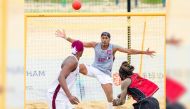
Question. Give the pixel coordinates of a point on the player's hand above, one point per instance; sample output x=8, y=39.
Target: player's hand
x=117, y=102
x=73, y=100
x=174, y=41
x=60, y=33
x=150, y=53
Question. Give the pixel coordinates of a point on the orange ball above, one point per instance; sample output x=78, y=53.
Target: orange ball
x=76, y=4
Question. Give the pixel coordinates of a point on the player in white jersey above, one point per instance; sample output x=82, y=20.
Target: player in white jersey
x=59, y=93
x=104, y=58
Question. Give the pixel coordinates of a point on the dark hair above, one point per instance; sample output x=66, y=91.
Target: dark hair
x=125, y=70
x=105, y=34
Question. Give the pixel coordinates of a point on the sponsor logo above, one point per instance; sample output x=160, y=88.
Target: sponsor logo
x=36, y=73
x=109, y=52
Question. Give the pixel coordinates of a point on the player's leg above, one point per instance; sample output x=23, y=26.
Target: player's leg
x=87, y=70
x=82, y=69
x=104, y=79
x=109, y=93
x=147, y=103
x=106, y=83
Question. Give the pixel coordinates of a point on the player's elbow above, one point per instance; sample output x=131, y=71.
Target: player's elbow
x=61, y=77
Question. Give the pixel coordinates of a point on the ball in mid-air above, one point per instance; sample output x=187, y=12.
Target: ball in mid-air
x=76, y=4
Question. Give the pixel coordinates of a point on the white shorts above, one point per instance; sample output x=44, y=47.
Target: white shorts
x=62, y=102
x=99, y=75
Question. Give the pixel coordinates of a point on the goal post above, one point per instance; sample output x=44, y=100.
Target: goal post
x=44, y=52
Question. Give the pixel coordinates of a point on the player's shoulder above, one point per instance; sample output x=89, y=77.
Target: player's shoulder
x=115, y=47
x=71, y=59
x=95, y=43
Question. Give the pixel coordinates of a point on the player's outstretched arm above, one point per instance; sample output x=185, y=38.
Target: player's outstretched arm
x=62, y=34
x=122, y=96
x=133, y=51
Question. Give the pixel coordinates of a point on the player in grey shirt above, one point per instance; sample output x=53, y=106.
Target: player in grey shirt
x=104, y=57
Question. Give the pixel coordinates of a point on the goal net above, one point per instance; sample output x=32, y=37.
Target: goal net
x=44, y=53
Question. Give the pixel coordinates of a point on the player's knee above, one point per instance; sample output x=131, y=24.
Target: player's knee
x=83, y=69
